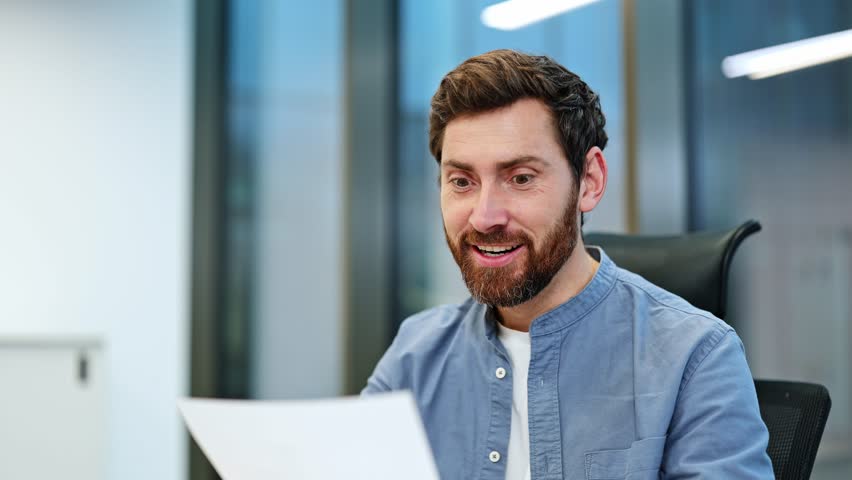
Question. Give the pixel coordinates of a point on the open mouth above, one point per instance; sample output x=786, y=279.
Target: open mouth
x=496, y=251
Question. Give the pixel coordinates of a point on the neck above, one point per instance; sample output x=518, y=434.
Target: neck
x=570, y=280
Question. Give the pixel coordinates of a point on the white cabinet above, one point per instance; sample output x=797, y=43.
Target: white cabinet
x=52, y=409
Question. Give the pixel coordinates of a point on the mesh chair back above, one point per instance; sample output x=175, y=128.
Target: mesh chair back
x=795, y=414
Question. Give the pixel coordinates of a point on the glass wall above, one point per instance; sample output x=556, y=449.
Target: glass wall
x=778, y=150
x=435, y=37
x=283, y=195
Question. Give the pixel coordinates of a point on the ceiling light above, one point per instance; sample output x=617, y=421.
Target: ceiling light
x=514, y=14
x=788, y=57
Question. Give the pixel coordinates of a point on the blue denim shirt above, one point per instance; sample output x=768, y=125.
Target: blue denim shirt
x=625, y=381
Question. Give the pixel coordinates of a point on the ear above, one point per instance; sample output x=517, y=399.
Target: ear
x=593, y=183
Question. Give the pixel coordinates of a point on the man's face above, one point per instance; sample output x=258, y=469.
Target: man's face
x=508, y=200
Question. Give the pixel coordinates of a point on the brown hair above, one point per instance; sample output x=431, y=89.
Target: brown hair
x=501, y=77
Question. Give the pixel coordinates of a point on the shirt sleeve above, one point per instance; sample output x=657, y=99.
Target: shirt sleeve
x=379, y=380
x=716, y=429
x=385, y=377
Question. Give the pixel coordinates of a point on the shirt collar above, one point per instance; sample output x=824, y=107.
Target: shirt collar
x=575, y=308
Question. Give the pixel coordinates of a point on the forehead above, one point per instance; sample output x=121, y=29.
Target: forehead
x=524, y=128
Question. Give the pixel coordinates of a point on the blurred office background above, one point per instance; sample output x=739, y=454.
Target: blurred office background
x=236, y=199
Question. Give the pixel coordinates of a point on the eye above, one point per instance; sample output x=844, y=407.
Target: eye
x=460, y=182
x=522, y=179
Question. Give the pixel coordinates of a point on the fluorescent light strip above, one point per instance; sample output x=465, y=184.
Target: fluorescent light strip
x=514, y=14
x=788, y=57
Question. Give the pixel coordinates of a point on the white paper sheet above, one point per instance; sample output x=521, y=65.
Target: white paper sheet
x=377, y=437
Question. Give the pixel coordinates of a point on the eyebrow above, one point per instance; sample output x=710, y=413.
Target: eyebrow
x=505, y=165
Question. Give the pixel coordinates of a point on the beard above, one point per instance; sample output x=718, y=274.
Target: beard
x=528, y=274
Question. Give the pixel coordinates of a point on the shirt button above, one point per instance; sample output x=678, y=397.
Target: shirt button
x=501, y=373
x=494, y=456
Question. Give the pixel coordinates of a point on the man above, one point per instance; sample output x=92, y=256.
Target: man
x=561, y=365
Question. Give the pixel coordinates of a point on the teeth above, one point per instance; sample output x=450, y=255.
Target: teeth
x=494, y=249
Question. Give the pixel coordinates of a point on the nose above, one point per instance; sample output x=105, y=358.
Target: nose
x=490, y=212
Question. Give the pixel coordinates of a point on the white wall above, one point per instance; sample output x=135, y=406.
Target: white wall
x=94, y=203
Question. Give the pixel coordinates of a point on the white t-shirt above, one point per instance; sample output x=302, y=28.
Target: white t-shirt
x=518, y=346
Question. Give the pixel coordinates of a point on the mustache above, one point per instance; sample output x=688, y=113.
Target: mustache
x=473, y=237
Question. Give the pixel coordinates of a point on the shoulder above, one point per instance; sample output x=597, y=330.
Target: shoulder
x=662, y=308
x=422, y=342
x=667, y=322
x=430, y=328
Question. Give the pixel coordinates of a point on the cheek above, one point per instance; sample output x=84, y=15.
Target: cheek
x=539, y=218
x=454, y=216
x=537, y=213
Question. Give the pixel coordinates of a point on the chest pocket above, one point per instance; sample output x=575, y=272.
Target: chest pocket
x=639, y=462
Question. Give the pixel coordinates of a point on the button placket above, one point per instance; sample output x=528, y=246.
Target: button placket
x=501, y=405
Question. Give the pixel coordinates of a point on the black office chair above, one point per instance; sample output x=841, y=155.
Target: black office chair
x=795, y=413
x=695, y=266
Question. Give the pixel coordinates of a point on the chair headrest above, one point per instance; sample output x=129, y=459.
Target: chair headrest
x=694, y=266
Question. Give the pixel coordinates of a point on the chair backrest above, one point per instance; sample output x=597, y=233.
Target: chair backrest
x=695, y=266
x=795, y=414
